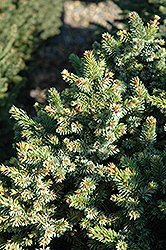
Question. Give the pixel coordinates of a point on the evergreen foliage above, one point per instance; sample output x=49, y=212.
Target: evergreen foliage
x=31, y=22
x=10, y=66
x=90, y=167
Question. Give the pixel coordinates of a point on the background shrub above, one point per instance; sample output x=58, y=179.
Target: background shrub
x=31, y=22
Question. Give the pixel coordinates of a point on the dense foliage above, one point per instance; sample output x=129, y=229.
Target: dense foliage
x=90, y=167
x=24, y=24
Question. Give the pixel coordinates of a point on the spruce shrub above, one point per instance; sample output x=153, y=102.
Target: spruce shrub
x=90, y=167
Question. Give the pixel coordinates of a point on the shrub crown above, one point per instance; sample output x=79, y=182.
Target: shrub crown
x=91, y=166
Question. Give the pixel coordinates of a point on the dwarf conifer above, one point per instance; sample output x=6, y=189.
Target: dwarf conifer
x=90, y=166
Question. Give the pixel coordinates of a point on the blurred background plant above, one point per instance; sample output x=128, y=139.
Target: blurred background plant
x=24, y=26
